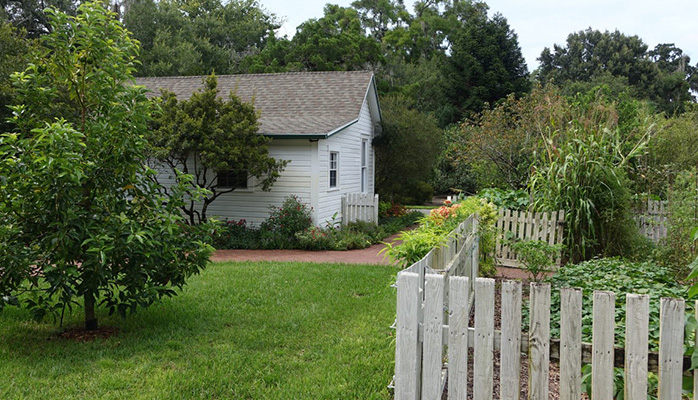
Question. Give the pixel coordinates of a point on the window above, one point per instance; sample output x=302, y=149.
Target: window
x=334, y=168
x=364, y=164
x=233, y=178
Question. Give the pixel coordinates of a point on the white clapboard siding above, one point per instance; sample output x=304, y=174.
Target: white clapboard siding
x=526, y=225
x=359, y=207
x=432, y=345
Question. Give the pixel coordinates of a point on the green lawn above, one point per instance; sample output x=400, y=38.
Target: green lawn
x=238, y=331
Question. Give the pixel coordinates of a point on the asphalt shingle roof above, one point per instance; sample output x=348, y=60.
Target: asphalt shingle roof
x=294, y=103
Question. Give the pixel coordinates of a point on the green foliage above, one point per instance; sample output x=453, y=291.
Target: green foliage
x=80, y=216
x=392, y=209
x=620, y=277
x=183, y=37
x=682, y=217
x=485, y=65
x=583, y=169
x=538, y=257
x=14, y=56
x=406, y=151
x=221, y=135
x=510, y=199
x=591, y=57
x=30, y=15
x=280, y=228
x=434, y=229
x=672, y=149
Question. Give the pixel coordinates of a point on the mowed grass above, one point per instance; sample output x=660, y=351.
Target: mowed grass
x=238, y=331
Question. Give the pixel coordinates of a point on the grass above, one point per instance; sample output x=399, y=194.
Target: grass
x=239, y=330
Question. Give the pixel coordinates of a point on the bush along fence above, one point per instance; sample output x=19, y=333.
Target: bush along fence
x=433, y=336
x=359, y=207
x=651, y=220
x=526, y=225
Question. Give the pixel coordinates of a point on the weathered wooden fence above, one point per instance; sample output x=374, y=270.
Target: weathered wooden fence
x=433, y=335
x=359, y=207
x=526, y=225
x=651, y=219
x=458, y=257
x=421, y=340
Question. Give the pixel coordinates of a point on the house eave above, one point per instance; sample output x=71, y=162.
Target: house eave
x=310, y=136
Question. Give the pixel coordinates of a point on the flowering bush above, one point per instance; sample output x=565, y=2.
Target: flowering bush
x=233, y=234
x=392, y=209
x=435, y=228
x=315, y=238
x=280, y=228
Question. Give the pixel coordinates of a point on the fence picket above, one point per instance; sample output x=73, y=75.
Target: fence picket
x=510, y=352
x=539, y=342
x=636, y=330
x=483, y=369
x=670, y=348
x=359, y=207
x=432, y=344
x=408, y=353
x=570, y=343
x=458, y=338
x=602, y=342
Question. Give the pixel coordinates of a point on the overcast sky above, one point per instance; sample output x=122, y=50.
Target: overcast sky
x=542, y=23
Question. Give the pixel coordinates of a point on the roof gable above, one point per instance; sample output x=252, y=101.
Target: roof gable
x=290, y=104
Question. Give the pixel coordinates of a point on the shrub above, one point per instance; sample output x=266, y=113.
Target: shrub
x=236, y=235
x=510, y=199
x=280, y=228
x=682, y=217
x=537, y=257
x=434, y=229
x=391, y=209
x=315, y=238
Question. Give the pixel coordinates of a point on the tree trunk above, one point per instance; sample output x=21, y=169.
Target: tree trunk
x=90, y=318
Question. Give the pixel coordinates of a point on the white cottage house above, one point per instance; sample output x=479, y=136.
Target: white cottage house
x=322, y=122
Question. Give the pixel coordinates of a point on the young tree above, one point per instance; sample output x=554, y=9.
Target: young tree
x=207, y=136
x=79, y=215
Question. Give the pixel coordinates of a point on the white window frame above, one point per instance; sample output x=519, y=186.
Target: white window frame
x=364, y=165
x=333, y=166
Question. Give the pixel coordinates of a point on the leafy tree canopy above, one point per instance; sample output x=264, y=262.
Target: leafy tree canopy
x=663, y=75
x=30, y=16
x=79, y=215
x=186, y=37
x=206, y=135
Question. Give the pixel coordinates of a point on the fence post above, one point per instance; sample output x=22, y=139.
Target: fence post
x=345, y=214
x=602, y=343
x=670, y=348
x=433, y=336
x=458, y=338
x=510, y=353
x=637, y=317
x=408, y=355
x=483, y=370
x=539, y=342
x=376, y=203
x=570, y=343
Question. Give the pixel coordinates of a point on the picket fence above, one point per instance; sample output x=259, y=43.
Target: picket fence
x=526, y=225
x=433, y=335
x=651, y=220
x=359, y=207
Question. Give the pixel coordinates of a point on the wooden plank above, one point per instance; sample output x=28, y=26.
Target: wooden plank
x=499, y=232
x=529, y=225
x=432, y=346
x=407, y=347
x=636, y=331
x=546, y=227
x=570, y=343
x=602, y=341
x=458, y=338
x=539, y=342
x=670, y=348
x=483, y=368
x=510, y=362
